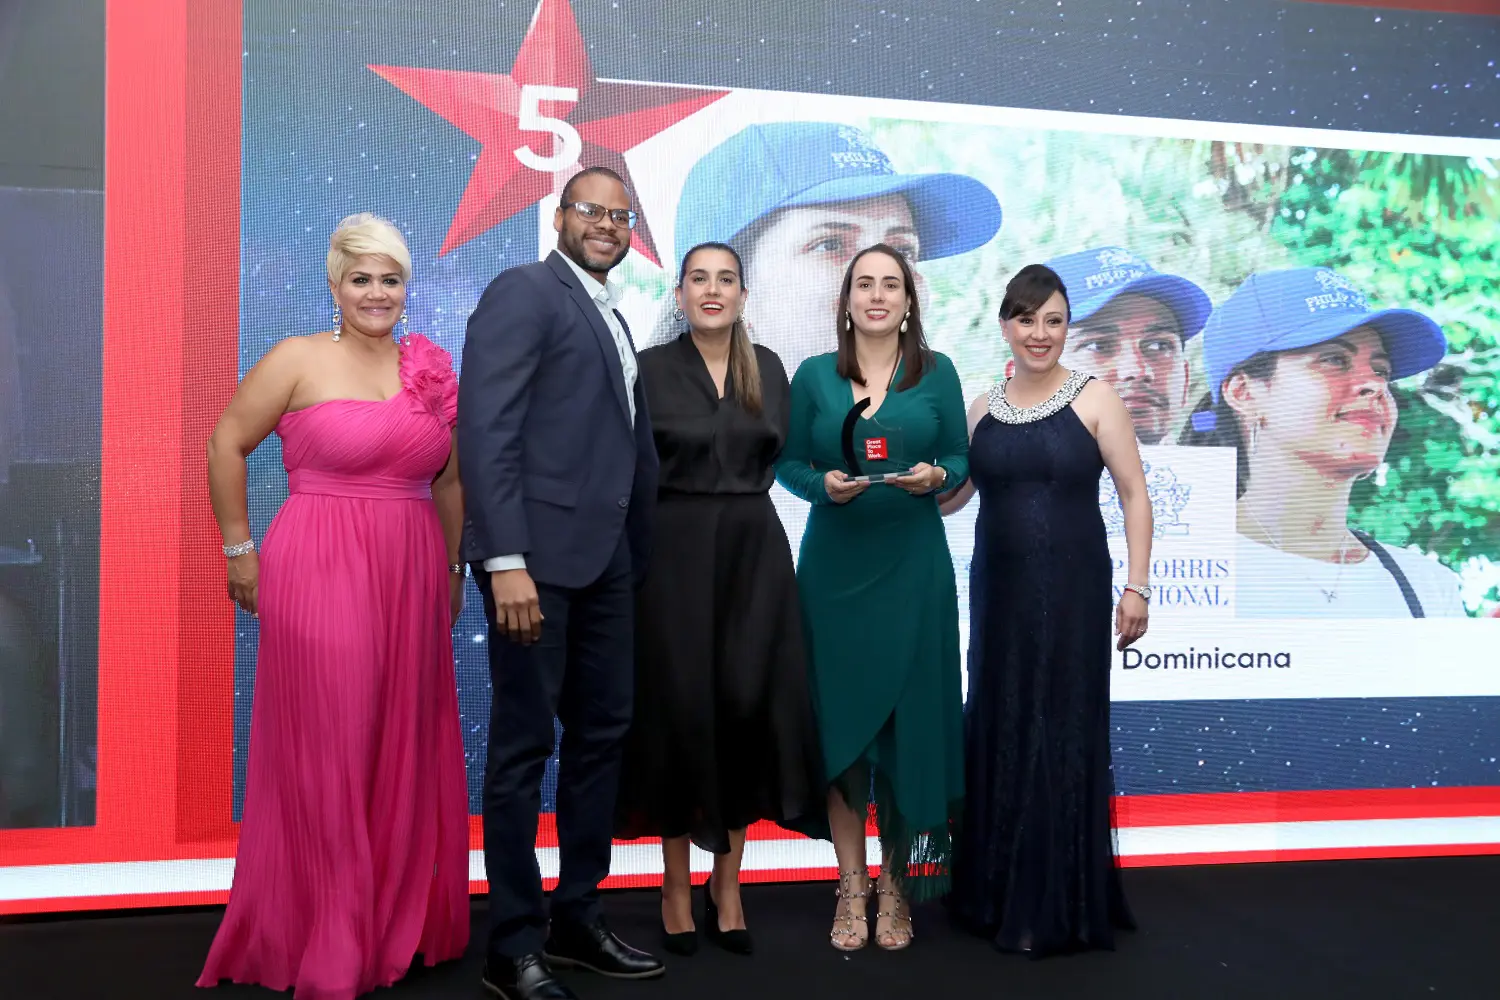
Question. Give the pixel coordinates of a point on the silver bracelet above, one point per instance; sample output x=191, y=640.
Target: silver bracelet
x=242, y=549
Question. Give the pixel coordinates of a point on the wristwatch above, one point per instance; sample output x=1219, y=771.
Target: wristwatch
x=1144, y=589
x=942, y=478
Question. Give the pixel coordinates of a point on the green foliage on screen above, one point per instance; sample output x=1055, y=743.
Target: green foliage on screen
x=1420, y=231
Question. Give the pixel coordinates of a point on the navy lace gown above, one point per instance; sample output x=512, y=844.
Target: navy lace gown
x=1035, y=869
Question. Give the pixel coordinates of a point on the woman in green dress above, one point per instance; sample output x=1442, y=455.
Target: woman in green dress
x=879, y=600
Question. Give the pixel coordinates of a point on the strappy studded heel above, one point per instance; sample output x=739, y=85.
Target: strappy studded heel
x=844, y=936
x=900, y=933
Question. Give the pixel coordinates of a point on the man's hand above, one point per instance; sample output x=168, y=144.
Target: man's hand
x=518, y=614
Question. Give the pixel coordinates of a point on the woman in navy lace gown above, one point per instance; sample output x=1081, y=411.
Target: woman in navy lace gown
x=1035, y=867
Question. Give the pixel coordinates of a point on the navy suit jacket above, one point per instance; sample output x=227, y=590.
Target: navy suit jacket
x=552, y=467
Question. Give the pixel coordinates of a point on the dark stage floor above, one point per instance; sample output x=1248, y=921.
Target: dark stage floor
x=1359, y=929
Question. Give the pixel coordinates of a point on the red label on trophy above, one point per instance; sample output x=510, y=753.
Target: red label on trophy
x=875, y=450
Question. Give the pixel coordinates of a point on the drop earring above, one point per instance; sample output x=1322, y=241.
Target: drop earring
x=903, y=322
x=400, y=335
x=338, y=321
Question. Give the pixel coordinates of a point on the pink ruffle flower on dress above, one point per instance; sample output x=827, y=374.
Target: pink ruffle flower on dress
x=427, y=373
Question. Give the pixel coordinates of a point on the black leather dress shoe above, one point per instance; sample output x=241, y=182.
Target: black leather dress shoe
x=596, y=949
x=524, y=978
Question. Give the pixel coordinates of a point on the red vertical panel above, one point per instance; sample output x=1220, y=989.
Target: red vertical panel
x=210, y=255
x=140, y=519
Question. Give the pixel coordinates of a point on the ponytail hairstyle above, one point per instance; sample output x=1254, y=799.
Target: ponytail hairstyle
x=1215, y=424
x=744, y=368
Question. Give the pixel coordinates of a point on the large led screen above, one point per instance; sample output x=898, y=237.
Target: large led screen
x=1289, y=162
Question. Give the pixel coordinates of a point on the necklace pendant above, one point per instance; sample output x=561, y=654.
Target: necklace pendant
x=1329, y=595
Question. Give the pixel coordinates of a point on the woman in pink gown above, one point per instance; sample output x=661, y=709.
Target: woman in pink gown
x=353, y=853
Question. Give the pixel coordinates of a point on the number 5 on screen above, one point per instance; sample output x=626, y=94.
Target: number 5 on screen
x=568, y=146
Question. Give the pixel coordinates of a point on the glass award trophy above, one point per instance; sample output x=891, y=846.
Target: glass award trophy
x=874, y=449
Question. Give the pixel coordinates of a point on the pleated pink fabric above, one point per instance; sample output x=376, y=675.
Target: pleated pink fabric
x=353, y=853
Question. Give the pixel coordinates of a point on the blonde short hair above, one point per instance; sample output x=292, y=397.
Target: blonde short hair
x=365, y=234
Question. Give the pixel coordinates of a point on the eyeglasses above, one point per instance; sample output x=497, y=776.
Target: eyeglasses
x=619, y=216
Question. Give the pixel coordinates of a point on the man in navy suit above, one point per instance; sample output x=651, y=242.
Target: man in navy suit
x=559, y=473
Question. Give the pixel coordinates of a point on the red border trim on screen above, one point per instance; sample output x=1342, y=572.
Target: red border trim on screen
x=84, y=904
x=1480, y=7
x=1306, y=807
x=211, y=351
x=171, y=358
x=1308, y=854
x=185, y=899
x=172, y=179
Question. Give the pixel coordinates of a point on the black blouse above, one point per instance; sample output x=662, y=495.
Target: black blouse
x=707, y=444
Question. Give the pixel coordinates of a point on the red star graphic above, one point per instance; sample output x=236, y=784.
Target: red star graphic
x=517, y=124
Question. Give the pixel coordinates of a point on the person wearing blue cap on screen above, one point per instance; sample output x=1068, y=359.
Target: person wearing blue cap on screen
x=1299, y=367
x=1130, y=328
x=798, y=200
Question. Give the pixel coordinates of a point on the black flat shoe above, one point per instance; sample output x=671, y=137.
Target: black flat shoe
x=596, y=949
x=524, y=978
x=737, y=942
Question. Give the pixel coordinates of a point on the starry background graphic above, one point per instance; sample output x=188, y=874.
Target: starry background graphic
x=324, y=137
x=1258, y=61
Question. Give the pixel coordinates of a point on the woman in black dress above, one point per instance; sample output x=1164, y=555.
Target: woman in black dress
x=723, y=730
x=1035, y=869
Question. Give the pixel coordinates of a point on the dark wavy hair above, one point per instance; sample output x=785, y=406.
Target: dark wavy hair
x=913, y=342
x=744, y=369
x=1030, y=289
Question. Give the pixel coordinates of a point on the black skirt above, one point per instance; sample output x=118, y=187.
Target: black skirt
x=723, y=733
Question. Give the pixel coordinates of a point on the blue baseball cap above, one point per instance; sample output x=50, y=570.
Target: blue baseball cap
x=1095, y=278
x=1300, y=307
x=763, y=168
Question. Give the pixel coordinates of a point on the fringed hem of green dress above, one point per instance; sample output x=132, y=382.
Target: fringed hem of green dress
x=920, y=860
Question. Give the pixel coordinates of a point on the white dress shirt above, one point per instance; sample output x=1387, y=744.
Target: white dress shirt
x=605, y=297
